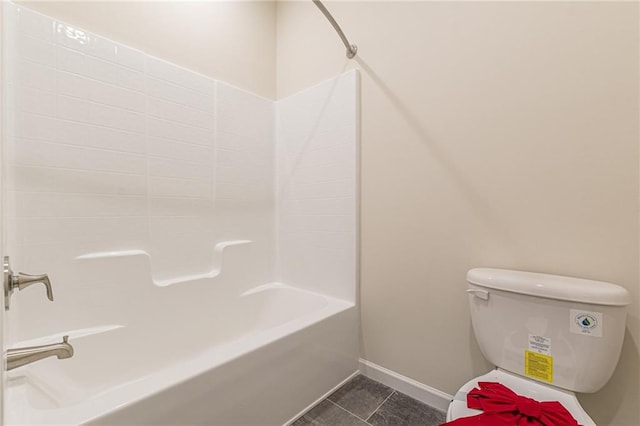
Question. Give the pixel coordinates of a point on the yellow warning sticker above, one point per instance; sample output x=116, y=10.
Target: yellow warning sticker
x=538, y=366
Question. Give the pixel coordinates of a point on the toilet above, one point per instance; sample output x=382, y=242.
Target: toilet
x=548, y=336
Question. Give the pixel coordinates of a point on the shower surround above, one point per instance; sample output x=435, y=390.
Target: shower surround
x=201, y=240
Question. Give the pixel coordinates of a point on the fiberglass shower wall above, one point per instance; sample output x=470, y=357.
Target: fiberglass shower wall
x=125, y=170
x=317, y=184
x=128, y=176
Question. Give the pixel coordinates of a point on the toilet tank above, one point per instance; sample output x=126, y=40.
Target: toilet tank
x=562, y=331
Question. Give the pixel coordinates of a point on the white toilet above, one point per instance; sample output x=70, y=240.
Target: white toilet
x=548, y=336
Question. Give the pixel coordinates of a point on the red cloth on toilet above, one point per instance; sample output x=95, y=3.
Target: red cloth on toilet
x=503, y=407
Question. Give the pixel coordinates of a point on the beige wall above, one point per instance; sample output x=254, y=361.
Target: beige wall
x=493, y=134
x=233, y=41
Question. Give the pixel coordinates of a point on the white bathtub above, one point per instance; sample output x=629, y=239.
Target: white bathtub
x=254, y=359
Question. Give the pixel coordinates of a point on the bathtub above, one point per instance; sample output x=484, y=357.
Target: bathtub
x=259, y=358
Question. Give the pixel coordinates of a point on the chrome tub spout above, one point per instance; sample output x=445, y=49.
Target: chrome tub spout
x=23, y=356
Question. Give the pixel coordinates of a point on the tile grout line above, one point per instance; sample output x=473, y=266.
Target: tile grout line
x=377, y=408
x=344, y=409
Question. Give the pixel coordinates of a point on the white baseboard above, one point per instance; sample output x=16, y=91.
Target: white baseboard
x=319, y=400
x=404, y=384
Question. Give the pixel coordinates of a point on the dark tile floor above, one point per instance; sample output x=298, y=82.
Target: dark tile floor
x=363, y=401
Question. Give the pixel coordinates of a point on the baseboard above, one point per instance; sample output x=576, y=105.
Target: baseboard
x=404, y=384
x=319, y=400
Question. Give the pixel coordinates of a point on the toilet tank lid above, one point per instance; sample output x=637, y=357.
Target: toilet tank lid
x=550, y=286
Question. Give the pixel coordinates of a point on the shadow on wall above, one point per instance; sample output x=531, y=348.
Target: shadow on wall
x=604, y=404
x=475, y=201
x=479, y=363
x=313, y=130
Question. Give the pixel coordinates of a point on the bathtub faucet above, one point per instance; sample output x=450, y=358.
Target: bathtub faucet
x=23, y=356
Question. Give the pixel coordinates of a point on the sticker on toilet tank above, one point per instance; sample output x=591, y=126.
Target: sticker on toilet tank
x=540, y=344
x=585, y=322
x=538, y=366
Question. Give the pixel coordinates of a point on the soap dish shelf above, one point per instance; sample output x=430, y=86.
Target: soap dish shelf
x=215, y=270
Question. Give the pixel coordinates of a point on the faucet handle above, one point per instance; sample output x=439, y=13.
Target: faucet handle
x=22, y=281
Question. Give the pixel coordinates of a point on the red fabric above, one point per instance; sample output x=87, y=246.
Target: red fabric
x=503, y=407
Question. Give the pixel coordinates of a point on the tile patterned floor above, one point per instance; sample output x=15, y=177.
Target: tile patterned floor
x=362, y=402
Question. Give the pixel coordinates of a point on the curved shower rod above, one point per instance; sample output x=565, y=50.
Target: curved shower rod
x=352, y=49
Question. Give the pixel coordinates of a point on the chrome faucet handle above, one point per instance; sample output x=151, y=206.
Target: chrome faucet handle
x=22, y=281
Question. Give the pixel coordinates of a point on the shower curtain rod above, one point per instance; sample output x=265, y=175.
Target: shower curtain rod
x=352, y=49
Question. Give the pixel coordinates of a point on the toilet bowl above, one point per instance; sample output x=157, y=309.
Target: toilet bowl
x=548, y=336
x=522, y=386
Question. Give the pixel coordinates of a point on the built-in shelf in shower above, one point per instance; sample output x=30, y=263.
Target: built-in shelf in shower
x=216, y=268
